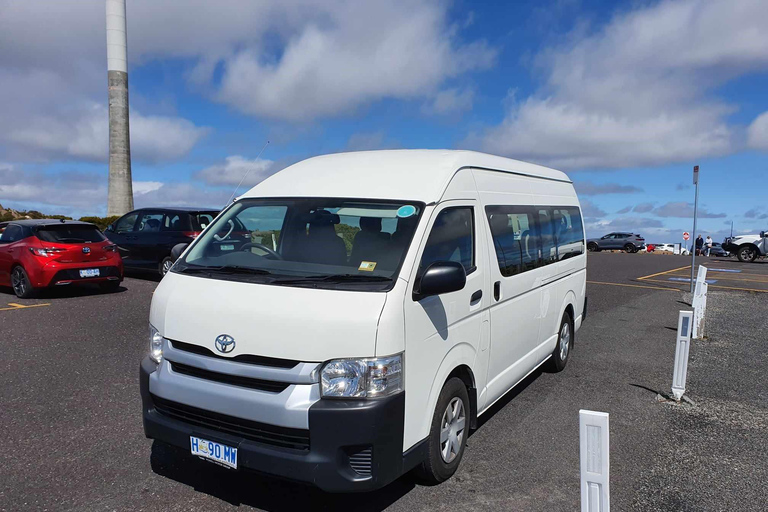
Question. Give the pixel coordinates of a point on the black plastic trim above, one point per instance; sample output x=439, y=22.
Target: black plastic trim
x=234, y=380
x=242, y=358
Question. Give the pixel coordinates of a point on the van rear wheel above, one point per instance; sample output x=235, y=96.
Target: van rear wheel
x=562, y=351
x=447, y=435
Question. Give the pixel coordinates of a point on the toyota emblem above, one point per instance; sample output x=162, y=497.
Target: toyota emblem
x=225, y=343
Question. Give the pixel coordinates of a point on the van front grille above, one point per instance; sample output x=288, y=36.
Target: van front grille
x=284, y=437
x=224, y=378
x=242, y=358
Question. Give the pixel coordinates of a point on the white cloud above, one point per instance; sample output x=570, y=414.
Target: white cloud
x=638, y=91
x=84, y=135
x=183, y=194
x=757, y=133
x=145, y=187
x=352, y=54
x=234, y=168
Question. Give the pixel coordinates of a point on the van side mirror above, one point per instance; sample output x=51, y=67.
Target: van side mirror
x=177, y=250
x=441, y=277
x=762, y=234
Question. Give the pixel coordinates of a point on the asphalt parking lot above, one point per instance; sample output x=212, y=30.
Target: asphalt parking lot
x=74, y=441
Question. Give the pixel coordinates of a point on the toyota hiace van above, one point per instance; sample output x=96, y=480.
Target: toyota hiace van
x=350, y=318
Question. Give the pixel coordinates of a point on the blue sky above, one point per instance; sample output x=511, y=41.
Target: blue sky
x=623, y=96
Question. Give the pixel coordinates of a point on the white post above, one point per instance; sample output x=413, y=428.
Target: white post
x=595, y=477
x=684, y=327
x=699, y=301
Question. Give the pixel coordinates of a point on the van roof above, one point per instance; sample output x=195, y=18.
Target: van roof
x=409, y=174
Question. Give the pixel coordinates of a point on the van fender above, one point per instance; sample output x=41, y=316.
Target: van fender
x=462, y=354
x=569, y=300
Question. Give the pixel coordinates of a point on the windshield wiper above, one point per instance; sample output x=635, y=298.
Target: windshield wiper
x=227, y=269
x=335, y=278
x=73, y=240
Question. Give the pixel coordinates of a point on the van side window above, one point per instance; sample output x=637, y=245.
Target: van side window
x=515, y=238
x=452, y=239
x=548, y=246
x=569, y=232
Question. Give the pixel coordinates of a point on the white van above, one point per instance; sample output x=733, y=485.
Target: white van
x=349, y=318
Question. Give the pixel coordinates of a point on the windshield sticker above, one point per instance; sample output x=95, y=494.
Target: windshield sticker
x=406, y=211
x=367, y=266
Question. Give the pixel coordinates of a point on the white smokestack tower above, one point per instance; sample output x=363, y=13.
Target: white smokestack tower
x=120, y=196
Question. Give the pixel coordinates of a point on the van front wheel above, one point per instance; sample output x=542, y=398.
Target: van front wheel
x=564, y=344
x=447, y=435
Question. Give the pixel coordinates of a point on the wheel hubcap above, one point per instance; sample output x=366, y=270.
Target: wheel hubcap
x=18, y=282
x=565, y=340
x=167, y=267
x=452, y=430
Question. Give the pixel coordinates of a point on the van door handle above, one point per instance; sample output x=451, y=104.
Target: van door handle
x=476, y=296
x=497, y=290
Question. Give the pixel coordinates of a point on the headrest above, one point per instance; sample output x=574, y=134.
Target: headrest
x=499, y=223
x=370, y=224
x=322, y=218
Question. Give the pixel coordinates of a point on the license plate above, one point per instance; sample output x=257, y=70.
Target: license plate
x=227, y=247
x=213, y=451
x=89, y=272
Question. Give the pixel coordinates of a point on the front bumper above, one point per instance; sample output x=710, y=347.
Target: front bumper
x=354, y=445
x=731, y=248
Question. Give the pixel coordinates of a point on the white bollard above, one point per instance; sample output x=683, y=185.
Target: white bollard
x=593, y=448
x=699, y=303
x=684, y=327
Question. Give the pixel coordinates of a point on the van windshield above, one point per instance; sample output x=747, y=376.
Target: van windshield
x=314, y=242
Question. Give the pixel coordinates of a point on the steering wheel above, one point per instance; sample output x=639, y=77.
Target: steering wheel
x=231, y=228
x=263, y=248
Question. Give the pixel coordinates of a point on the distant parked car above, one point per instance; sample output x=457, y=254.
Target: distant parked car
x=617, y=241
x=36, y=254
x=146, y=236
x=717, y=250
x=665, y=247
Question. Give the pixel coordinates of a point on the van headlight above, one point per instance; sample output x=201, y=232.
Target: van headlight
x=155, y=345
x=362, y=378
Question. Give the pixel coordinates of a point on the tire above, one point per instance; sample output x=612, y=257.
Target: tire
x=165, y=266
x=21, y=284
x=746, y=254
x=593, y=247
x=564, y=347
x=630, y=249
x=435, y=468
x=109, y=286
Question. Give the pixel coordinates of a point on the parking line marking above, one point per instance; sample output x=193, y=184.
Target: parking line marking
x=724, y=270
x=688, y=280
x=662, y=273
x=15, y=306
x=720, y=286
x=762, y=280
x=637, y=286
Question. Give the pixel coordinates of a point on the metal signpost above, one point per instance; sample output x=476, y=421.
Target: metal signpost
x=593, y=448
x=695, y=213
x=684, y=328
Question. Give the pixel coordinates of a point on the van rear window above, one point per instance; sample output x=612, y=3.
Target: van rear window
x=75, y=234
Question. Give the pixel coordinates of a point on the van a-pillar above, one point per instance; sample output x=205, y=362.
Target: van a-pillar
x=120, y=194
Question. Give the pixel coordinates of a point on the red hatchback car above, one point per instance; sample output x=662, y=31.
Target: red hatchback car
x=36, y=254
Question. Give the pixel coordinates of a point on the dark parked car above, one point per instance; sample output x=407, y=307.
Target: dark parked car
x=145, y=237
x=717, y=250
x=617, y=241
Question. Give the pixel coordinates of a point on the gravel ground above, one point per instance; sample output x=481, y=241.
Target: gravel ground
x=713, y=455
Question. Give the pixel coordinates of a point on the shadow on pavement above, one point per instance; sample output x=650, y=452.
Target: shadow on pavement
x=265, y=492
x=64, y=292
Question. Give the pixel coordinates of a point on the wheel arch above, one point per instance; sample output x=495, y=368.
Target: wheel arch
x=458, y=362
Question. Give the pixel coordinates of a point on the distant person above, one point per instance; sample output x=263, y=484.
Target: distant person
x=708, y=245
x=699, y=245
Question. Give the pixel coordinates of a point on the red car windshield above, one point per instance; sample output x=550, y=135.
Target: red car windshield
x=70, y=233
